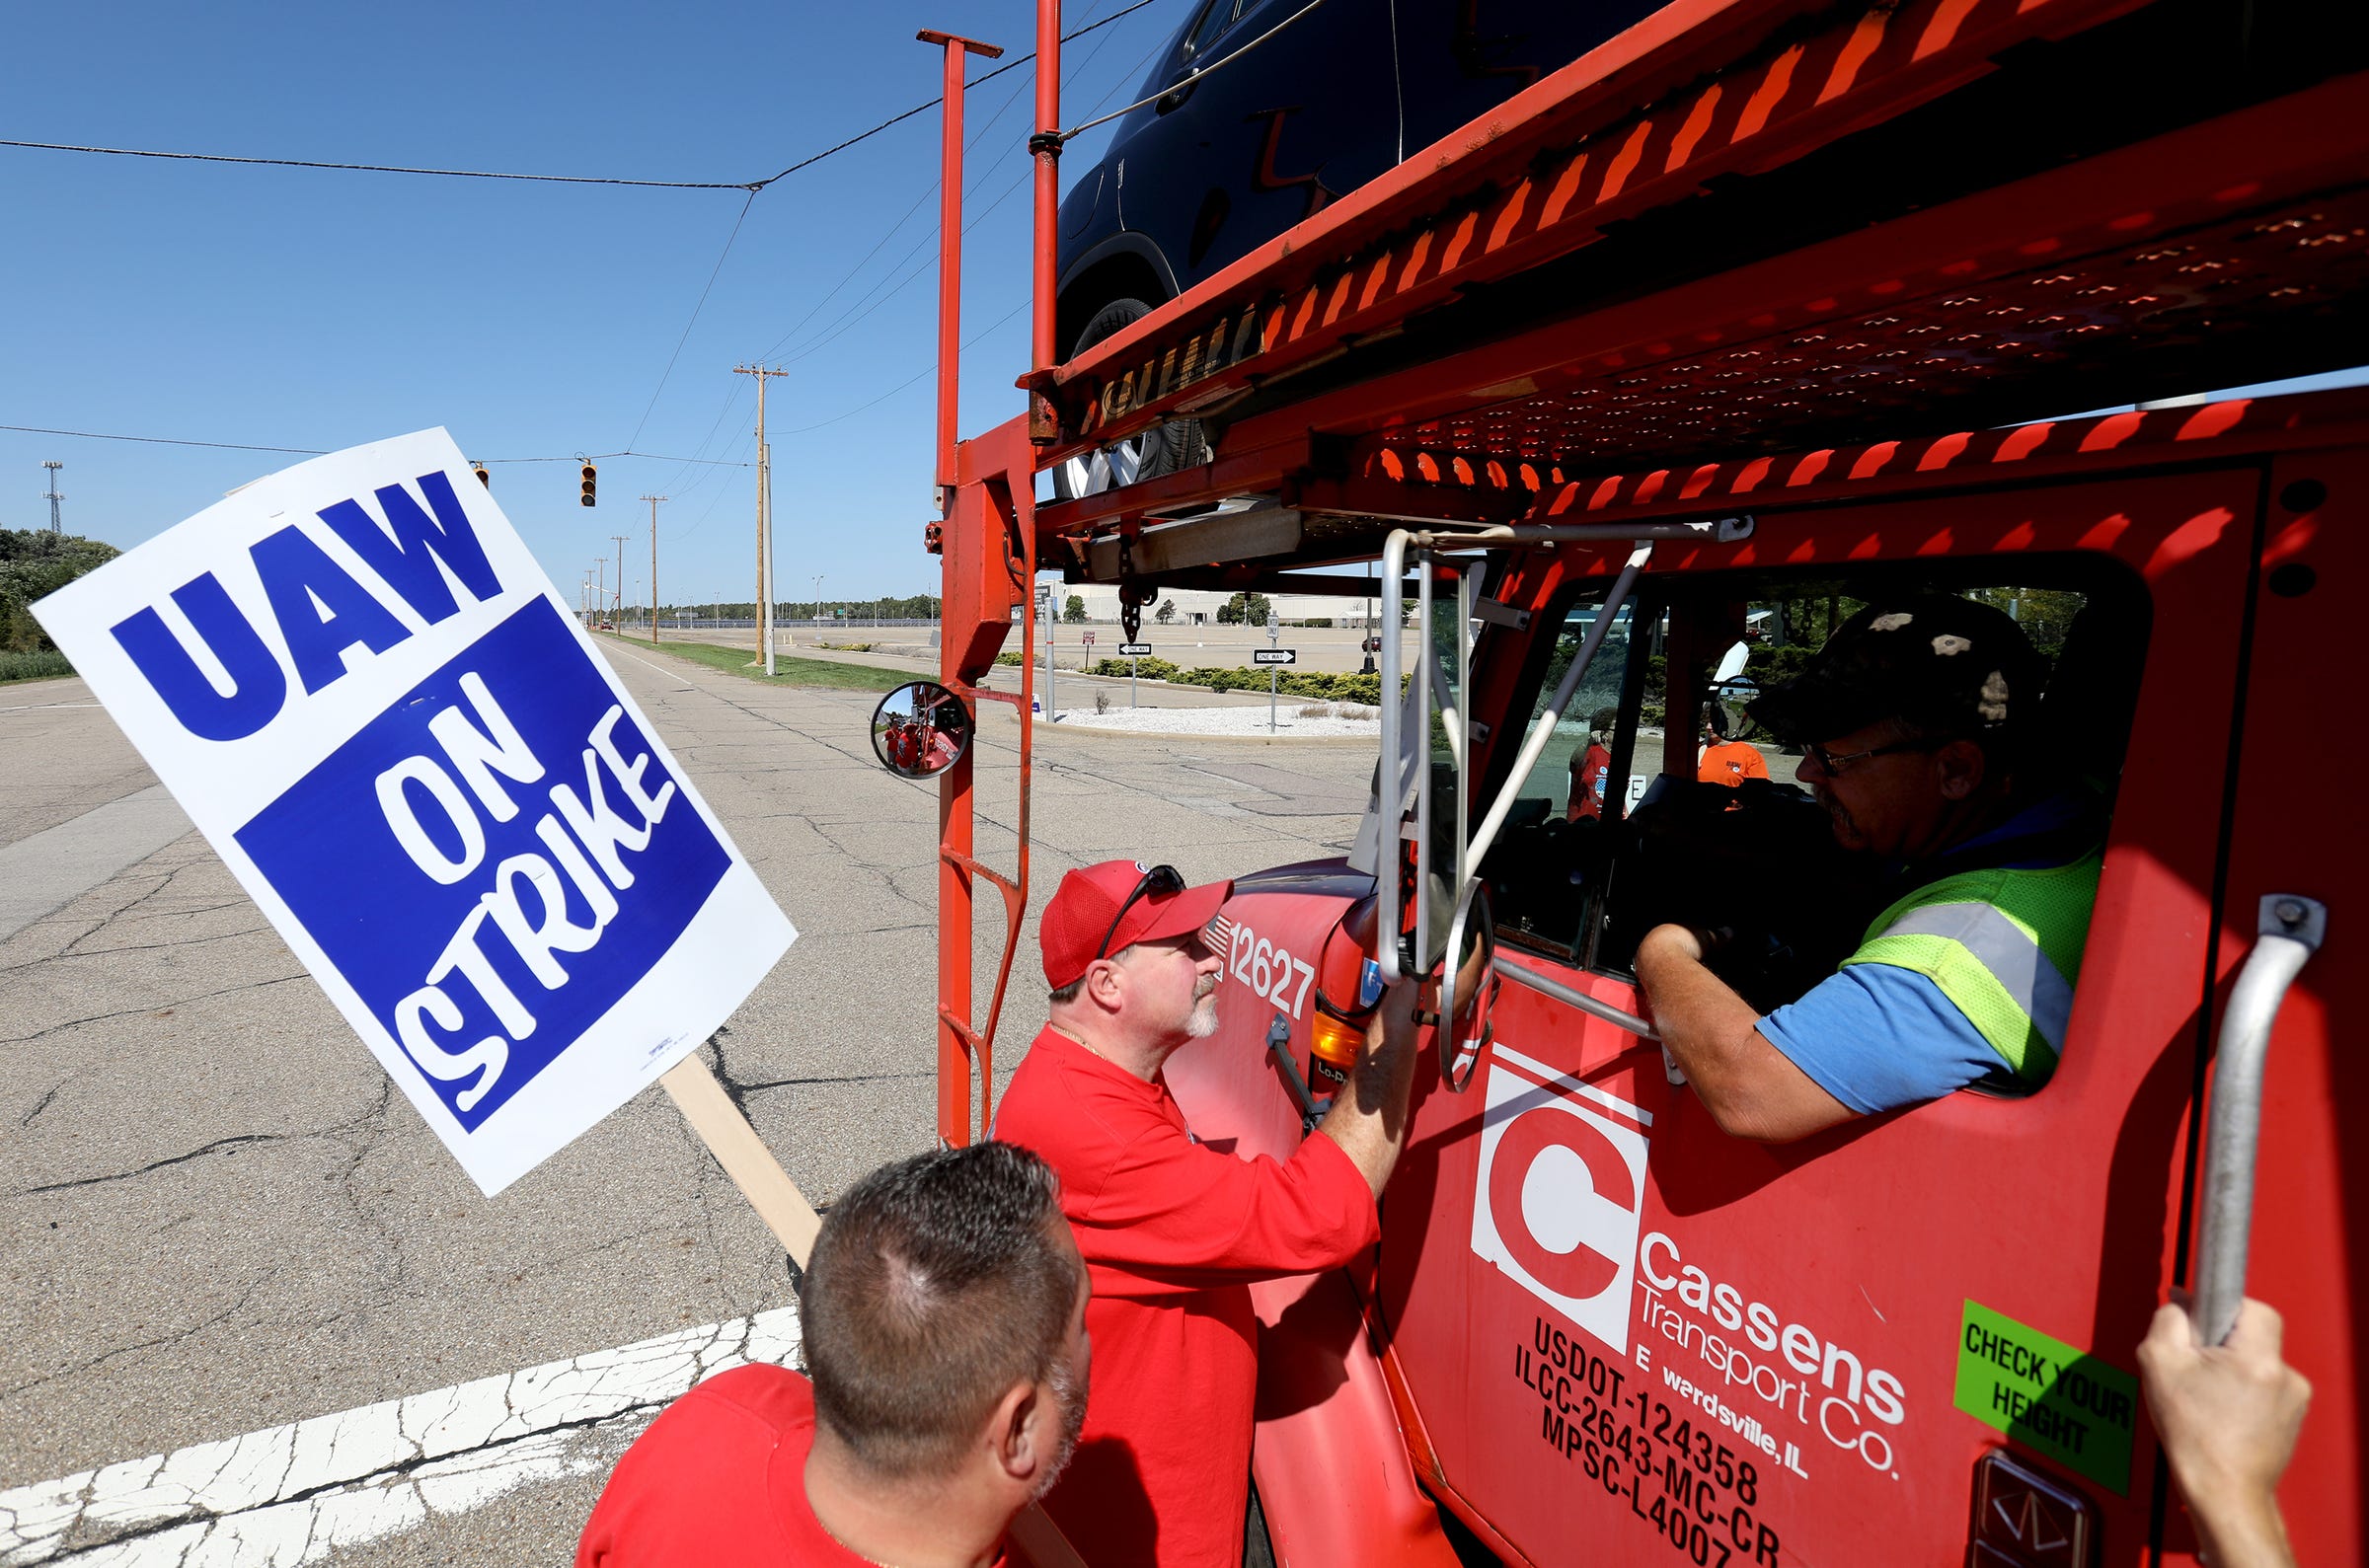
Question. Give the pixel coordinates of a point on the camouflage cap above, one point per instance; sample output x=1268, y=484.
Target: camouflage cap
x=1935, y=660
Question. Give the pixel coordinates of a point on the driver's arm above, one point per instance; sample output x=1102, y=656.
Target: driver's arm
x=1751, y=1088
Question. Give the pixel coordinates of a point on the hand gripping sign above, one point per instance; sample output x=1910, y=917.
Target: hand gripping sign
x=358, y=684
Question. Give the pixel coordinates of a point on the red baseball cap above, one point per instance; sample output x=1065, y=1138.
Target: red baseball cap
x=1090, y=914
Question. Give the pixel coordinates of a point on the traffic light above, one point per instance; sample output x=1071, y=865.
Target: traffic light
x=482, y=478
x=592, y=476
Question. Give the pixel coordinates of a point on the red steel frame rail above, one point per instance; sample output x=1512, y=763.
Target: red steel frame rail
x=986, y=490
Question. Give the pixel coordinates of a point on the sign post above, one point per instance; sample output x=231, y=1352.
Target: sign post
x=1275, y=624
x=356, y=682
x=1133, y=651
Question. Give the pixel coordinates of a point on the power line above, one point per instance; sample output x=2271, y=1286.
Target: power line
x=866, y=260
x=314, y=451
x=749, y=185
x=387, y=169
x=1219, y=63
x=1009, y=65
x=872, y=299
x=652, y=406
x=160, y=440
x=712, y=272
x=974, y=340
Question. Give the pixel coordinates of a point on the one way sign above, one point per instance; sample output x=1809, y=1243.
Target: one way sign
x=1274, y=655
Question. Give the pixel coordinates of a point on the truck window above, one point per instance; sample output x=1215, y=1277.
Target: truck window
x=1583, y=876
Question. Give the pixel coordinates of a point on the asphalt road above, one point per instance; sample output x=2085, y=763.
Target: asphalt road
x=226, y=1241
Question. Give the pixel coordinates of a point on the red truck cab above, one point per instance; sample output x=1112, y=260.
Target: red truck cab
x=1755, y=313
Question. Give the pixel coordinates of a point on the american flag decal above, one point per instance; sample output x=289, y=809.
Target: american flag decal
x=1218, y=935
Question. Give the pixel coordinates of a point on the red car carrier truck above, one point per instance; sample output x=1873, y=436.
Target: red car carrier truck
x=1756, y=312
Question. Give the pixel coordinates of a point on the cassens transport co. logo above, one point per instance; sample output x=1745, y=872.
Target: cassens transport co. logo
x=1562, y=1186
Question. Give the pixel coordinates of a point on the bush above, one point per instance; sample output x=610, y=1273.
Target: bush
x=1365, y=689
x=34, y=563
x=1154, y=669
x=32, y=666
x=1008, y=658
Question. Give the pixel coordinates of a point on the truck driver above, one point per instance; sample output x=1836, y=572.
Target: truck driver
x=1916, y=722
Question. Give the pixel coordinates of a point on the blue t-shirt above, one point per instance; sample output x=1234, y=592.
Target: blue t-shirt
x=1877, y=1036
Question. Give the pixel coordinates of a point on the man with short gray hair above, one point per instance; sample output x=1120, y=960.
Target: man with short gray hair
x=1175, y=1229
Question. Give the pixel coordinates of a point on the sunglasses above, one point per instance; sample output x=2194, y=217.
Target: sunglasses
x=1160, y=880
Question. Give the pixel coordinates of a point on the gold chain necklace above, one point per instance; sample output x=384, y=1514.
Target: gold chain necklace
x=844, y=1546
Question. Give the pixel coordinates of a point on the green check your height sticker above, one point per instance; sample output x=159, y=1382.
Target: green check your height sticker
x=2042, y=1391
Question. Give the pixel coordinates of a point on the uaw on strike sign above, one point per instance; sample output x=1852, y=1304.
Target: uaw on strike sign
x=357, y=683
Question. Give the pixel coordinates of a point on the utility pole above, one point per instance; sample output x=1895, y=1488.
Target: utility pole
x=54, y=495
x=764, y=518
x=618, y=616
x=653, y=566
x=600, y=589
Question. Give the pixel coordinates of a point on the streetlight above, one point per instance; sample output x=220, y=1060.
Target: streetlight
x=818, y=598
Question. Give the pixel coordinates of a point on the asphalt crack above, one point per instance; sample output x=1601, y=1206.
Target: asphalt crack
x=125, y=1013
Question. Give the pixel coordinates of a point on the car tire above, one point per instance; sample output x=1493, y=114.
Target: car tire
x=1164, y=448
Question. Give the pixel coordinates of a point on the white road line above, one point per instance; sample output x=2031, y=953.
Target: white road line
x=30, y=708
x=46, y=870
x=672, y=675
x=292, y=1494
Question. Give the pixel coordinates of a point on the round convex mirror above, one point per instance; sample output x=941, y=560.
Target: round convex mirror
x=1468, y=988
x=920, y=730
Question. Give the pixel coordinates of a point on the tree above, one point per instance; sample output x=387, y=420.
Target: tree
x=35, y=562
x=1246, y=609
x=1074, y=611
x=1165, y=612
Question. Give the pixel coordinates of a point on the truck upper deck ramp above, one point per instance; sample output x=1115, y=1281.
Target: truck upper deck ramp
x=1746, y=228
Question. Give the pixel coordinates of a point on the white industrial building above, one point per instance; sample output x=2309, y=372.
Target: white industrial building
x=1199, y=607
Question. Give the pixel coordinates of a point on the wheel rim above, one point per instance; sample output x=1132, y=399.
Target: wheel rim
x=1113, y=466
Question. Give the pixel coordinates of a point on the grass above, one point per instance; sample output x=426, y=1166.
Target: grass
x=45, y=665
x=786, y=670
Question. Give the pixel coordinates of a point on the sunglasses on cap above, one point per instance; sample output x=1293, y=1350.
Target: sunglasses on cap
x=1160, y=879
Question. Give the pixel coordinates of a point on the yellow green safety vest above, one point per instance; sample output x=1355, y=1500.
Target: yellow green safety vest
x=2004, y=944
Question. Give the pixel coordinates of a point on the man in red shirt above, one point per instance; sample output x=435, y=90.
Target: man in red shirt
x=943, y=1318
x=1173, y=1231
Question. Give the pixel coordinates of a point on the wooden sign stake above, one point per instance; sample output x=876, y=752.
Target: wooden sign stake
x=743, y=1156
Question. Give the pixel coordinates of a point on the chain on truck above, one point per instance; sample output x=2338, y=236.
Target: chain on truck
x=1755, y=311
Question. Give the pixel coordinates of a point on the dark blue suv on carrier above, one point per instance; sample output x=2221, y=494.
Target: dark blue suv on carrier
x=1229, y=153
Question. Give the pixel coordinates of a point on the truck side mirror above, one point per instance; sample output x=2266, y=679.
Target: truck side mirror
x=920, y=730
x=1468, y=988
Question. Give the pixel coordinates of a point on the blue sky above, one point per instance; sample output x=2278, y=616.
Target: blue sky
x=304, y=308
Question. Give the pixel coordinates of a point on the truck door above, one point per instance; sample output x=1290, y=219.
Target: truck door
x=1624, y=1337
x=2293, y=831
